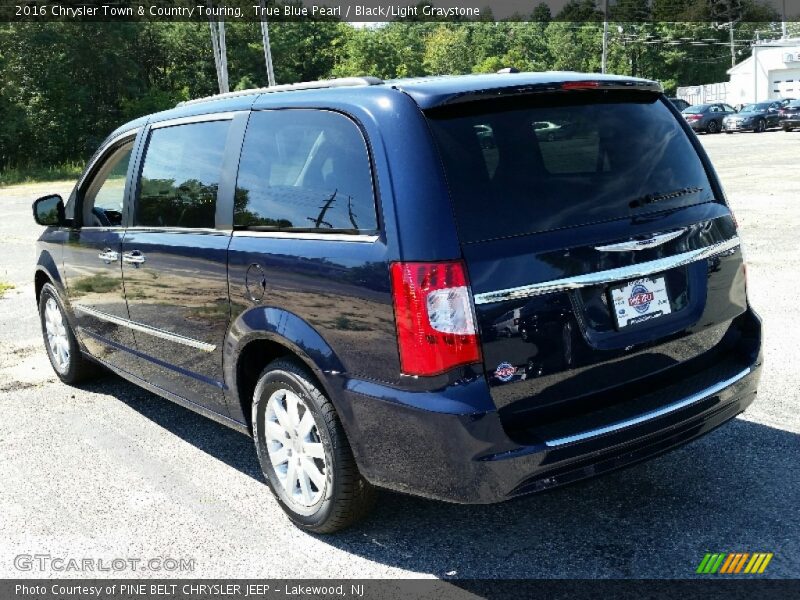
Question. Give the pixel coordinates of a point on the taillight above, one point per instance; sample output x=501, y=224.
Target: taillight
x=435, y=323
x=692, y=117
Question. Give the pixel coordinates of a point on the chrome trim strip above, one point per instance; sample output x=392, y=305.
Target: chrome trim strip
x=600, y=277
x=664, y=410
x=633, y=245
x=159, y=333
x=221, y=116
x=155, y=229
x=301, y=235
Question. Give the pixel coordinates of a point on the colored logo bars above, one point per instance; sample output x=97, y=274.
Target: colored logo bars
x=741, y=562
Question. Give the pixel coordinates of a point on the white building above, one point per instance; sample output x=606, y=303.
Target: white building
x=772, y=71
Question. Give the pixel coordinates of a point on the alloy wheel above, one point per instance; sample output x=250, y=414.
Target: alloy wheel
x=295, y=448
x=57, y=339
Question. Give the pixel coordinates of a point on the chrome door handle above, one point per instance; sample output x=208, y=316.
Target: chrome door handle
x=134, y=258
x=108, y=256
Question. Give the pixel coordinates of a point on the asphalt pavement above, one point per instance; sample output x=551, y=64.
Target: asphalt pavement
x=108, y=471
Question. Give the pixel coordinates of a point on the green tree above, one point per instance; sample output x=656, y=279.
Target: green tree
x=447, y=51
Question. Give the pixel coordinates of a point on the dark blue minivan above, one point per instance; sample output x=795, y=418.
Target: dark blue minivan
x=403, y=285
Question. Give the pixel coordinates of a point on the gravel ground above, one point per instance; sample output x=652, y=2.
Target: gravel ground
x=110, y=471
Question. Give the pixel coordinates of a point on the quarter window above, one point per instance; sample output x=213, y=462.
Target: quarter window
x=304, y=170
x=180, y=176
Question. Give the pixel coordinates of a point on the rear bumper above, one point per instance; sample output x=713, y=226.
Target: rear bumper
x=468, y=457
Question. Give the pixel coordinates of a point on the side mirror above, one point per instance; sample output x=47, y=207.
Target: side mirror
x=49, y=211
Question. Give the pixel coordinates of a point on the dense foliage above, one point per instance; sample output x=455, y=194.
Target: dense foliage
x=65, y=86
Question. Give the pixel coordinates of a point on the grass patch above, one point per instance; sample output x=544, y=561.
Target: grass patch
x=99, y=283
x=216, y=311
x=4, y=287
x=344, y=323
x=34, y=173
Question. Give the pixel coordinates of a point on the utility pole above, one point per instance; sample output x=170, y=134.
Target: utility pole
x=267, y=48
x=733, y=49
x=220, y=51
x=604, y=58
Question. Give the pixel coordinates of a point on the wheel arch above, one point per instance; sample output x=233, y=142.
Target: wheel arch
x=263, y=334
x=47, y=272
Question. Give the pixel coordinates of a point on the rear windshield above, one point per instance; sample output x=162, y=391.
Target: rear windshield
x=537, y=163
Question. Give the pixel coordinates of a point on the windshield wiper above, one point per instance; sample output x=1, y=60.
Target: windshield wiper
x=658, y=197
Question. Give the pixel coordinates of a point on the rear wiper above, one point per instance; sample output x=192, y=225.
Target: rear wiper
x=653, y=198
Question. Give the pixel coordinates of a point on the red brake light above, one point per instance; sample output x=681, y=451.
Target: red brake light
x=580, y=85
x=433, y=311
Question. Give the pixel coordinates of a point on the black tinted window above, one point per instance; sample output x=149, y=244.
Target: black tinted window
x=180, y=176
x=524, y=165
x=304, y=169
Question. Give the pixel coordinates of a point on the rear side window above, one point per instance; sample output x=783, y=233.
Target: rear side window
x=304, y=170
x=180, y=175
x=537, y=163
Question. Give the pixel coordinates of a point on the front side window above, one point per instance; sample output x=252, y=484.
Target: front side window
x=104, y=196
x=304, y=170
x=180, y=175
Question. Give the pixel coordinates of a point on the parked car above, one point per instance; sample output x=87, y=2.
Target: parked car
x=707, y=117
x=320, y=266
x=753, y=117
x=549, y=131
x=679, y=103
x=507, y=324
x=789, y=115
x=485, y=136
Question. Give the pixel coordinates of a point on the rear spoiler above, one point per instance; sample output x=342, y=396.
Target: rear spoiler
x=652, y=87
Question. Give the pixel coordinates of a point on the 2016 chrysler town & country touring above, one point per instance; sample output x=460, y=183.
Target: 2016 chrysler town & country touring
x=322, y=266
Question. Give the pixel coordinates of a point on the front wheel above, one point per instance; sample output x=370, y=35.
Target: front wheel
x=304, y=453
x=761, y=126
x=62, y=347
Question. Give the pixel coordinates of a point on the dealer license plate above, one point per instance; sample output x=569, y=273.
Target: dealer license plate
x=640, y=300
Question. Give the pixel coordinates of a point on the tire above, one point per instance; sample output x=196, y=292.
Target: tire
x=787, y=128
x=760, y=127
x=328, y=493
x=729, y=132
x=66, y=358
x=712, y=127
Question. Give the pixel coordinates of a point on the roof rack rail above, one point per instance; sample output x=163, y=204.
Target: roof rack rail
x=289, y=87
